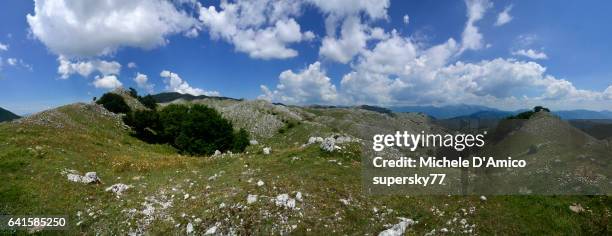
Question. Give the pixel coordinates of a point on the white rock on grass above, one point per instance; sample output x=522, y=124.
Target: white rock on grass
x=91, y=177
x=399, y=228
x=211, y=230
x=346, y=202
x=298, y=196
x=291, y=203
x=189, y=228
x=74, y=178
x=313, y=140
x=253, y=142
x=260, y=183
x=483, y=198
x=577, y=208
x=283, y=200
x=251, y=198
x=343, y=139
x=88, y=178
x=217, y=153
x=328, y=145
x=118, y=189
x=267, y=150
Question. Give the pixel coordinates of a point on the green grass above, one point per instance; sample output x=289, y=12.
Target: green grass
x=32, y=183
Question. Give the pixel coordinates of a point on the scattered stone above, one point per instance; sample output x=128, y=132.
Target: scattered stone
x=118, y=189
x=217, y=153
x=298, y=196
x=186, y=196
x=74, y=177
x=189, y=228
x=88, y=178
x=345, y=201
x=251, y=198
x=399, y=228
x=211, y=230
x=313, y=140
x=283, y=200
x=253, y=142
x=483, y=198
x=91, y=177
x=577, y=208
x=260, y=183
x=267, y=150
x=328, y=145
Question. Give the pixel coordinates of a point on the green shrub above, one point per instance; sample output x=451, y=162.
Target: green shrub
x=526, y=115
x=241, y=141
x=114, y=103
x=288, y=125
x=171, y=118
x=196, y=130
x=145, y=124
x=148, y=101
x=203, y=131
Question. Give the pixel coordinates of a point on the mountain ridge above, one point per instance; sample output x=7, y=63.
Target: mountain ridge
x=6, y=115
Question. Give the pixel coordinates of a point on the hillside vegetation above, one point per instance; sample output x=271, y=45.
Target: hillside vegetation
x=6, y=115
x=281, y=184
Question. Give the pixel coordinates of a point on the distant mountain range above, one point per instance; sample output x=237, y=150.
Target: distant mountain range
x=482, y=112
x=7, y=115
x=171, y=96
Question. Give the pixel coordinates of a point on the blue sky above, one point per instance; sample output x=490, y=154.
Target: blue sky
x=503, y=54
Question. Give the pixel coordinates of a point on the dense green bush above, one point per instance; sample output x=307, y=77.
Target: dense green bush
x=145, y=124
x=241, y=141
x=148, y=101
x=172, y=118
x=114, y=103
x=526, y=115
x=196, y=130
x=203, y=131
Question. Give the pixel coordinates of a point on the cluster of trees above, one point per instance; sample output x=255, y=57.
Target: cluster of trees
x=194, y=130
x=528, y=114
x=148, y=101
x=114, y=103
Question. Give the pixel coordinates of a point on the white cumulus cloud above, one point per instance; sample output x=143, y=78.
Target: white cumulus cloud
x=353, y=34
x=374, y=9
x=4, y=47
x=174, y=83
x=85, y=68
x=471, y=36
x=12, y=61
x=74, y=28
x=18, y=63
x=107, y=82
x=352, y=40
x=263, y=29
x=504, y=17
x=142, y=81
x=310, y=85
x=530, y=53
x=406, y=19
